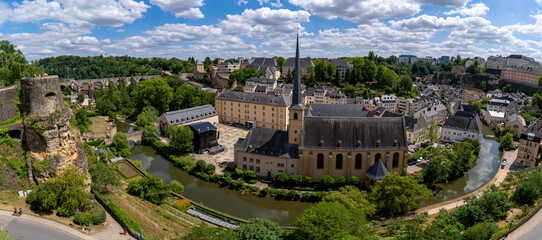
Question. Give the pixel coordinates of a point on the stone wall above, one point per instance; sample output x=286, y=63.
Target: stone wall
x=8, y=104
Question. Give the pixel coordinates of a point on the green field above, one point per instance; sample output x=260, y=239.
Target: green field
x=98, y=124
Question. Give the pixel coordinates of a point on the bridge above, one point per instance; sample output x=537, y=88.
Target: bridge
x=88, y=85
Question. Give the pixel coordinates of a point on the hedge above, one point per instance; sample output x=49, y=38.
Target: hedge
x=95, y=215
x=121, y=216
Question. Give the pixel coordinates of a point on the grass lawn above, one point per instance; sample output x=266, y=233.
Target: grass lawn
x=98, y=124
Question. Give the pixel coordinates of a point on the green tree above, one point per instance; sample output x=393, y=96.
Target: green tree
x=281, y=178
x=259, y=229
x=296, y=179
x=480, y=231
x=431, y=132
x=4, y=235
x=330, y=220
x=181, y=138
x=153, y=189
x=12, y=63
x=82, y=120
x=351, y=198
x=150, y=134
x=154, y=92
x=399, y=194
x=507, y=142
x=242, y=75
x=148, y=116
x=388, y=79
x=526, y=193
x=103, y=177
x=80, y=97
x=120, y=142
x=405, y=83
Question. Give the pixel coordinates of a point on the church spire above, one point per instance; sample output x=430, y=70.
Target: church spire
x=296, y=98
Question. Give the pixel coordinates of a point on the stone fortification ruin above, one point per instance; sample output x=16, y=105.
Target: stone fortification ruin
x=52, y=145
x=8, y=105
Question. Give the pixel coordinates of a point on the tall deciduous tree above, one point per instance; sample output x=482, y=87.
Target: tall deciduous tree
x=103, y=177
x=400, y=194
x=180, y=138
x=352, y=198
x=12, y=63
x=156, y=93
x=259, y=229
x=431, y=132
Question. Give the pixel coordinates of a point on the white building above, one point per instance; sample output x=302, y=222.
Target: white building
x=462, y=125
x=389, y=102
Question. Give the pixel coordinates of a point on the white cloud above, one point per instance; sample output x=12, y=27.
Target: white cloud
x=476, y=9
x=529, y=29
x=181, y=8
x=120, y=30
x=359, y=11
x=264, y=22
x=445, y=3
x=95, y=12
x=276, y=3
x=539, y=2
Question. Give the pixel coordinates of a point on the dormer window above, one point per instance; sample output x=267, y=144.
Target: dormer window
x=321, y=143
x=378, y=143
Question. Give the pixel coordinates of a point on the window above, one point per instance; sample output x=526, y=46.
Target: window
x=339, y=161
x=251, y=168
x=320, y=161
x=357, y=164
x=295, y=116
x=280, y=165
x=258, y=161
x=257, y=169
x=378, y=156
x=395, y=163
x=244, y=159
x=244, y=167
x=252, y=160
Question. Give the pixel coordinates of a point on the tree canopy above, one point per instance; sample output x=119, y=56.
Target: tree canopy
x=399, y=194
x=180, y=138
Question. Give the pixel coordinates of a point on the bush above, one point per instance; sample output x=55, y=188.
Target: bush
x=266, y=191
x=281, y=178
x=153, y=189
x=291, y=194
x=354, y=180
x=341, y=180
x=327, y=180
x=282, y=194
x=201, y=166
x=250, y=175
x=227, y=174
x=480, y=231
x=182, y=204
x=238, y=173
x=308, y=180
x=95, y=215
x=296, y=179
x=210, y=169
x=526, y=193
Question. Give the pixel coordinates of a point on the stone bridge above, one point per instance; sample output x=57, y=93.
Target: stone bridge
x=93, y=136
x=134, y=136
x=88, y=85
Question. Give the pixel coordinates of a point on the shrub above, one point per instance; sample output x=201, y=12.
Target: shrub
x=266, y=191
x=296, y=179
x=210, y=169
x=327, y=180
x=201, y=166
x=354, y=180
x=153, y=189
x=291, y=194
x=227, y=175
x=282, y=194
x=480, y=231
x=228, y=180
x=281, y=178
x=526, y=193
x=238, y=173
x=341, y=180
x=182, y=204
x=95, y=215
x=308, y=179
x=250, y=175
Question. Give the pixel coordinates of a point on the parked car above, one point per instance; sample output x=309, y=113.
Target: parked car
x=419, y=160
x=503, y=163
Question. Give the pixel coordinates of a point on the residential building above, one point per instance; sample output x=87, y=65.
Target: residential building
x=415, y=130
x=461, y=125
x=199, y=70
x=335, y=97
x=527, y=77
x=342, y=66
x=411, y=59
x=436, y=113
x=227, y=67
x=529, y=145
x=205, y=113
x=253, y=82
x=253, y=109
x=471, y=62
x=494, y=117
x=444, y=59
x=496, y=62
x=303, y=64
x=266, y=66
x=429, y=59
x=389, y=102
x=516, y=123
x=520, y=61
x=498, y=105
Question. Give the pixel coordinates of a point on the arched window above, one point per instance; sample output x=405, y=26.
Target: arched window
x=295, y=116
x=357, y=164
x=378, y=156
x=339, y=161
x=320, y=161
x=395, y=162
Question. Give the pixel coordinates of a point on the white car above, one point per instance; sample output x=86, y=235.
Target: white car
x=419, y=160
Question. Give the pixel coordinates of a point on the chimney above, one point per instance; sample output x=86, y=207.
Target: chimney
x=240, y=60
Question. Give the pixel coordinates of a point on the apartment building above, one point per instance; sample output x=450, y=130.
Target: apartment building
x=461, y=125
x=523, y=76
x=529, y=144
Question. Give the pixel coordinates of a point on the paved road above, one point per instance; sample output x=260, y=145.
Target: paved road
x=30, y=230
x=531, y=230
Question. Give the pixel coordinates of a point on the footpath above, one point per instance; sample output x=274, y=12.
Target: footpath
x=112, y=231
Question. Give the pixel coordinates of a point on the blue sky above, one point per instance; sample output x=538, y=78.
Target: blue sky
x=254, y=28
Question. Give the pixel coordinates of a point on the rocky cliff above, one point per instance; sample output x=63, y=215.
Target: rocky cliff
x=52, y=145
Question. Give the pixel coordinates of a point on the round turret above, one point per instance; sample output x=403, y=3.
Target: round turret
x=40, y=96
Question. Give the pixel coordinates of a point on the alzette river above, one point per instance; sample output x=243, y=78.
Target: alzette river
x=285, y=212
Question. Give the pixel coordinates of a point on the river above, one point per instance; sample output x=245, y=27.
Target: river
x=285, y=212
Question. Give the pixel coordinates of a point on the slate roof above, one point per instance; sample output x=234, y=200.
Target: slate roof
x=336, y=94
x=260, y=89
x=277, y=100
x=378, y=170
x=341, y=63
x=532, y=130
x=203, y=127
x=468, y=108
x=464, y=121
x=353, y=133
x=268, y=142
x=190, y=114
x=260, y=62
x=338, y=111
x=303, y=63
x=414, y=124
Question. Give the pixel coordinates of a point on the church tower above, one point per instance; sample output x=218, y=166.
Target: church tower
x=296, y=110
